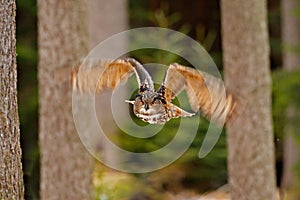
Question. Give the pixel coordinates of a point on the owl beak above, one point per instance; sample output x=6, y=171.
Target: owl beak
x=131, y=102
x=146, y=106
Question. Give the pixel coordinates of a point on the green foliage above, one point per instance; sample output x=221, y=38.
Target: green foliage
x=139, y=15
x=143, y=14
x=275, y=34
x=200, y=174
x=111, y=185
x=27, y=93
x=286, y=92
x=286, y=96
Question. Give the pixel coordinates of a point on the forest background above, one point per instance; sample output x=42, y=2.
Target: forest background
x=201, y=21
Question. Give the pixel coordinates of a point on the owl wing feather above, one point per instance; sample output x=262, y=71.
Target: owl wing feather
x=205, y=92
x=97, y=75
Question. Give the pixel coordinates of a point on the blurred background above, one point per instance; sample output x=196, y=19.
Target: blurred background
x=200, y=20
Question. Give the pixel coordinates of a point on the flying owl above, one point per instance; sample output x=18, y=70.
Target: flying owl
x=206, y=93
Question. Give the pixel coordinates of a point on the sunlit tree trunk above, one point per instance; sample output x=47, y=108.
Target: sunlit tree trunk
x=251, y=160
x=66, y=166
x=291, y=61
x=11, y=175
x=107, y=18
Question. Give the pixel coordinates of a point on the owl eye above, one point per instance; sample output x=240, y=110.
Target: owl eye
x=156, y=99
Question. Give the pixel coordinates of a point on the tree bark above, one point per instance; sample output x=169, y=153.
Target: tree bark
x=291, y=61
x=113, y=16
x=251, y=160
x=66, y=166
x=11, y=175
x=290, y=31
x=109, y=14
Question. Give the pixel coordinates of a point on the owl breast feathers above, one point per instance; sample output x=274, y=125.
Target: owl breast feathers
x=206, y=93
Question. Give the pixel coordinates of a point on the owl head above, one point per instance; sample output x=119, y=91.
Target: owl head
x=150, y=107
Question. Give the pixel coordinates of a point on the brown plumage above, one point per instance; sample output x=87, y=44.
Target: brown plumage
x=97, y=75
x=205, y=92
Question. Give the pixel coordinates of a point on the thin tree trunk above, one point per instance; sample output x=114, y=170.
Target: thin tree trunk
x=291, y=61
x=11, y=175
x=251, y=160
x=290, y=32
x=66, y=166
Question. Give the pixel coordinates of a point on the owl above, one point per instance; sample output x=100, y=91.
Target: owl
x=206, y=93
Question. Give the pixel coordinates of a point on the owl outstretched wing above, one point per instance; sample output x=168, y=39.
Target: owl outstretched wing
x=97, y=75
x=205, y=92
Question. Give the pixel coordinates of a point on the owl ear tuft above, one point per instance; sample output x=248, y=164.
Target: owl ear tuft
x=131, y=102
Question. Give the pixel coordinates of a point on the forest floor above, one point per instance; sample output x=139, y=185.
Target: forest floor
x=110, y=185
x=121, y=186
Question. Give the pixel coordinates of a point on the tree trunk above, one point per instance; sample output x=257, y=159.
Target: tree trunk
x=113, y=16
x=251, y=160
x=11, y=175
x=291, y=60
x=290, y=31
x=66, y=166
x=105, y=19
